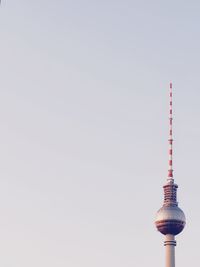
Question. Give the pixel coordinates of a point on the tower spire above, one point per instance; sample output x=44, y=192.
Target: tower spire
x=170, y=170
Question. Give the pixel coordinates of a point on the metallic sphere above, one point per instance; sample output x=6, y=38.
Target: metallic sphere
x=170, y=220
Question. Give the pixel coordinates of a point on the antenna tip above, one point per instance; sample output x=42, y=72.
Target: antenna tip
x=171, y=85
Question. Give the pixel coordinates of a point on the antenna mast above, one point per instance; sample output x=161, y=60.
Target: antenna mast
x=170, y=170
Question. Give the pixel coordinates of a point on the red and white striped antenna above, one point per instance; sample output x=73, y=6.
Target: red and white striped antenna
x=170, y=170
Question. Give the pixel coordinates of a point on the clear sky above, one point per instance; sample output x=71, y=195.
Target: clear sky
x=83, y=130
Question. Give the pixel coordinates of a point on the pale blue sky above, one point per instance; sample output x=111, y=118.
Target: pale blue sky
x=83, y=139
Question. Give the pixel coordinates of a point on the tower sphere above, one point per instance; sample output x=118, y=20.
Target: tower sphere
x=170, y=220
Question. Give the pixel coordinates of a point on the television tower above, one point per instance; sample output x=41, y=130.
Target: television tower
x=170, y=219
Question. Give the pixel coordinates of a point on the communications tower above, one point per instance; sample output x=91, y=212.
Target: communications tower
x=170, y=219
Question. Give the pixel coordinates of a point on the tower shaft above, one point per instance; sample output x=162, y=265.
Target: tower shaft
x=170, y=244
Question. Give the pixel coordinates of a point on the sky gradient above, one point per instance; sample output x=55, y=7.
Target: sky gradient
x=84, y=130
